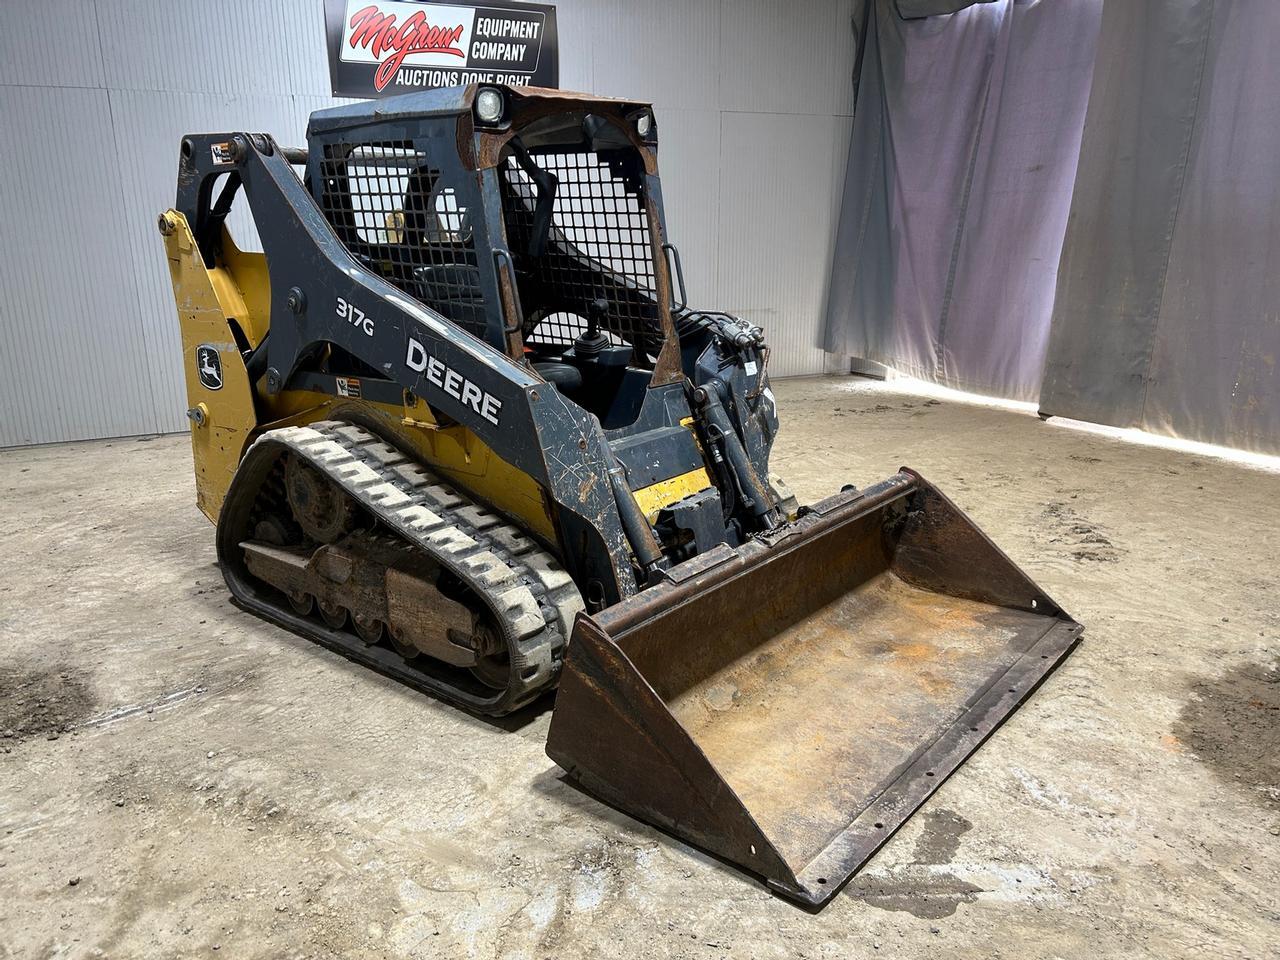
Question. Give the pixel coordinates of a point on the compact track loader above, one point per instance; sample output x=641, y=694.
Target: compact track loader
x=459, y=423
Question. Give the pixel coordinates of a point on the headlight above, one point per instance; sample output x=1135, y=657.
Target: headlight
x=644, y=125
x=489, y=105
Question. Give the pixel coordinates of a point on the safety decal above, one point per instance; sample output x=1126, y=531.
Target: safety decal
x=221, y=153
x=348, y=387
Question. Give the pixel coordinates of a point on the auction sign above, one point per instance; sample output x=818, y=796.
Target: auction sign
x=378, y=48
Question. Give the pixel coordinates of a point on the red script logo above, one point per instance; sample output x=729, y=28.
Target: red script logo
x=377, y=31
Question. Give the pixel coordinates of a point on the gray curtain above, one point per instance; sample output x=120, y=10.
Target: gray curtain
x=1168, y=305
x=911, y=9
x=961, y=165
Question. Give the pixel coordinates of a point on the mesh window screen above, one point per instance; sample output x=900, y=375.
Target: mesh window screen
x=391, y=211
x=598, y=247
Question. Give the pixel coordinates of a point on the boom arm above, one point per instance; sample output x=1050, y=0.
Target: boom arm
x=321, y=295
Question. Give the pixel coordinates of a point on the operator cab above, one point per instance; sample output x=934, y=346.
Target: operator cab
x=529, y=218
x=576, y=211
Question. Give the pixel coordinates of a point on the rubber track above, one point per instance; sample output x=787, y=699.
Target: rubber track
x=533, y=600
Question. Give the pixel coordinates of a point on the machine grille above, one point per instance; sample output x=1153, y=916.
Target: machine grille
x=391, y=210
x=598, y=247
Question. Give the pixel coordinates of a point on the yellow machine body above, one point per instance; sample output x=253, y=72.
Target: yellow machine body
x=225, y=421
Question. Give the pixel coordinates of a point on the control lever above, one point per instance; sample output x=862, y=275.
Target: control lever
x=592, y=340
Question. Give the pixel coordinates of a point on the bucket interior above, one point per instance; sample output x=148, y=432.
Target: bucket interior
x=811, y=682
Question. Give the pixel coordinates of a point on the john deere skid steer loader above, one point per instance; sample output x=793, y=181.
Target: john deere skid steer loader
x=458, y=423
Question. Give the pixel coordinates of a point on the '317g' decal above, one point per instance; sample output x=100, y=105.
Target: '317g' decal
x=355, y=316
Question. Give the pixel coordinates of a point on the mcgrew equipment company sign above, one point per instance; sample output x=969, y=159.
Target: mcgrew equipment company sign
x=382, y=47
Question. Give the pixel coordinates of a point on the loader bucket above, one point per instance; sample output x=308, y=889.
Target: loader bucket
x=788, y=704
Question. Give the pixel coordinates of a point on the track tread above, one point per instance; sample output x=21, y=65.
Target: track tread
x=533, y=598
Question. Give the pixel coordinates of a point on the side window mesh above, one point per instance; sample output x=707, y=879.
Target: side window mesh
x=598, y=247
x=390, y=209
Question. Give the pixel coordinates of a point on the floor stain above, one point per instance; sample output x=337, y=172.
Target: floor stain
x=940, y=839
x=919, y=888
x=44, y=703
x=1081, y=536
x=1231, y=723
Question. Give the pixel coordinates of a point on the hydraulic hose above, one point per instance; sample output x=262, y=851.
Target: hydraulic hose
x=752, y=492
x=634, y=523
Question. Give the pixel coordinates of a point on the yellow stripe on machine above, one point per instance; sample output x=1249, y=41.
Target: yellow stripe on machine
x=654, y=497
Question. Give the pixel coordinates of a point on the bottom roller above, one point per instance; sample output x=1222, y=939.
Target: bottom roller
x=788, y=704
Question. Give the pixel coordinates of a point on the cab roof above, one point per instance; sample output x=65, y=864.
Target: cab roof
x=450, y=101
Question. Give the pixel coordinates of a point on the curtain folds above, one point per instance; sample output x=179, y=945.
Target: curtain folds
x=961, y=166
x=1168, y=307
x=1073, y=201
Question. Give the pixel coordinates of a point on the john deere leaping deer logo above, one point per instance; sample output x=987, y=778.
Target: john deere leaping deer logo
x=209, y=366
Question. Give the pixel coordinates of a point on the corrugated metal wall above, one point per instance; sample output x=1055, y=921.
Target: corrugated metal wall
x=753, y=100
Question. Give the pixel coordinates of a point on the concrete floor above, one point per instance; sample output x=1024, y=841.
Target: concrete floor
x=178, y=778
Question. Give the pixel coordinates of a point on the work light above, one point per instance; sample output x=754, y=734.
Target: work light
x=489, y=105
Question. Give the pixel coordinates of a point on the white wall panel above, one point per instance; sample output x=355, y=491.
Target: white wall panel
x=574, y=22
x=72, y=357
x=232, y=46
x=792, y=57
x=89, y=344
x=50, y=44
x=689, y=148
x=777, y=220
x=663, y=51
x=303, y=48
